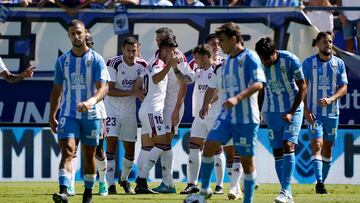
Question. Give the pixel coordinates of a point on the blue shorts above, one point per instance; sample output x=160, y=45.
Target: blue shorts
x=87, y=131
x=351, y=29
x=324, y=127
x=244, y=135
x=280, y=131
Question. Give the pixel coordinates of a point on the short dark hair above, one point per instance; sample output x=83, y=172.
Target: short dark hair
x=168, y=43
x=167, y=31
x=324, y=34
x=75, y=22
x=89, y=39
x=265, y=47
x=130, y=41
x=202, y=49
x=230, y=29
x=209, y=37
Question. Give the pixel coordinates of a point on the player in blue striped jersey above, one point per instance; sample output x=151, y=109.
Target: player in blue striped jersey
x=80, y=82
x=242, y=77
x=285, y=91
x=327, y=82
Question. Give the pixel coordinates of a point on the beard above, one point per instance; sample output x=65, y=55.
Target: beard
x=326, y=52
x=77, y=44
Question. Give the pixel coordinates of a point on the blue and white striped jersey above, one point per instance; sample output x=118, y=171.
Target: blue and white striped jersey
x=324, y=79
x=78, y=76
x=238, y=74
x=282, y=3
x=281, y=88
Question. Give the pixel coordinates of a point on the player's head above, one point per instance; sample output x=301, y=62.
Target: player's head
x=167, y=46
x=324, y=41
x=202, y=55
x=77, y=33
x=214, y=43
x=130, y=49
x=164, y=33
x=266, y=50
x=229, y=36
x=89, y=39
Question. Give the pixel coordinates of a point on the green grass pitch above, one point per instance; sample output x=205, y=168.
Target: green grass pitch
x=26, y=192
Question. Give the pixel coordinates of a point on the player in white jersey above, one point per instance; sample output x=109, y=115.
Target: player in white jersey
x=154, y=80
x=204, y=69
x=120, y=105
x=12, y=78
x=327, y=82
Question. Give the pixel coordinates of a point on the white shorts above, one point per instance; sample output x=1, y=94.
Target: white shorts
x=167, y=119
x=201, y=127
x=152, y=123
x=123, y=128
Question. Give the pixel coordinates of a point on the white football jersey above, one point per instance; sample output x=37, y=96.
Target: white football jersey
x=155, y=93
x=124, y=77
x=101, y=105
x=202, y=80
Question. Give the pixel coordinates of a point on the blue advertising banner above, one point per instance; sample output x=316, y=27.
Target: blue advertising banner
x=30, y=35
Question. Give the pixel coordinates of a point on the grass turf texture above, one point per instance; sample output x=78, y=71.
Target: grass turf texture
x=11, y=192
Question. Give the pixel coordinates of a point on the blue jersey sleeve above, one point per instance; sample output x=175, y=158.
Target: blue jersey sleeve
x=256, y=71
x=100, y=69
x=305, y=68
x=59, y=73
x=296, y=68
x=342, y=77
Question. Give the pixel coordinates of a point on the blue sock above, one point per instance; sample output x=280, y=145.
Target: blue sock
x=89, y=180
x=279, y=167
x=64, y=177
x=317, y=167
x=249, y=186
x=326, y=167
x=207, y=166
x=288, y=170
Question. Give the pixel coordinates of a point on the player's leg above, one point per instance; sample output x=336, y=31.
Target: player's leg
x=236, y=172
x=74, y=162
x=67, y=128
x=128, y=136
x=88, y=145
x=290, y=134
x=113, y=126
x=101, y=161
x=219, y=161
x=247, y=133
x=219, y=135
x=198, y=134
x=330, y=134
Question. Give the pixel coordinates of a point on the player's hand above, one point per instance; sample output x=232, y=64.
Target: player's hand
x=326, y=101
x=309, y=116
x=175, y=117
x=140, y=94
x=287, y=117
x=172, y=59
x=28, y=72
x=53, y=124
x=231, y=102
x=84, y=106
x=204, y=111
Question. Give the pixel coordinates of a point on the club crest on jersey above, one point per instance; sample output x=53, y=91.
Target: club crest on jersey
x=138, y=71
x=282, y=69
x=88, y=63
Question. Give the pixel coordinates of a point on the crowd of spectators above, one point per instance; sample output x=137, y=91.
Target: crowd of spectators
x=323, y=20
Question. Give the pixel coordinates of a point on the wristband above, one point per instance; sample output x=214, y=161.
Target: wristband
x=92, y=101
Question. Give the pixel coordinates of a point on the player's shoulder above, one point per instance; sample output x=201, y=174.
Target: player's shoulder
x=141, y=62
x=157, y=63
x=310, y=59
x=193, y=65
x=114, y=60
x=288, y=55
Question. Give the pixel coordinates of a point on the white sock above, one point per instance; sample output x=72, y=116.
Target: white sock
x=110, y=171
x=152, y=157
x=73, y=173
x=143, y=155
x=235, y=176
x=127, y=165
x=101, y=168
x=228, y=169
x=193, y=166
x=219, y=162
x=167, y=167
